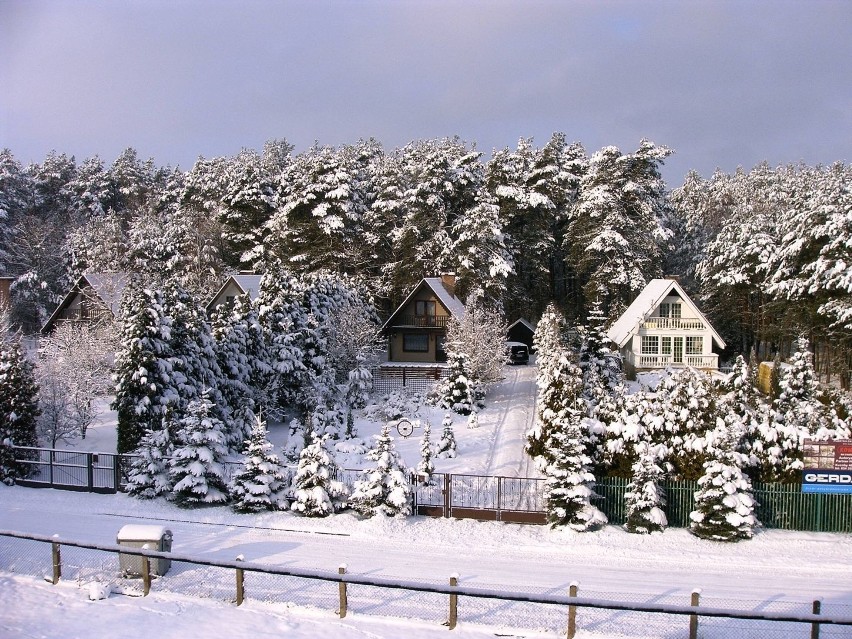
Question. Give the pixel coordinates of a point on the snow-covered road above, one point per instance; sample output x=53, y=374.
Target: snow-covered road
x=510, y=414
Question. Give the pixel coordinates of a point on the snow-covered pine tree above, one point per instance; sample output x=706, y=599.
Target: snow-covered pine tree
x=196, y=469
x=547, y=338
x=359, y=383
x=262, y=483
x=18, y=408
x=240, y=353
x=316, y=492
x=447, y=443
x=457, y=392
x=645, y=498
x=687, y=405
x=385, y=488
x=144, y=389
x=560, y=385
x=149, y=476
x=283, y=319
x=798, y=404
x=724, y=502
x=569, y=481
x=425, y=467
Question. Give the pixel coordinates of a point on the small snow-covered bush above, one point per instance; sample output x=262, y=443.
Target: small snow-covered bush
x=644, y=498
x=385, y=488
x=262, y=483
x=447, y=443
x=316, y=491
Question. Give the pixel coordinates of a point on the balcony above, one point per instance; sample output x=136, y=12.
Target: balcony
x=83, y=314
x=422, y=321
x=673, y=323
x=644, y=362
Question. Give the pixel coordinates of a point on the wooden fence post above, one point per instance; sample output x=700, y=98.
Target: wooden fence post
x=57, y=561
x=447, y=483
x=693, y=619
x=90, y=472
x=572, y=611
x=454, y=603
x=240, y=583
x=815, y=625
x=344, y=602
x=146, y=573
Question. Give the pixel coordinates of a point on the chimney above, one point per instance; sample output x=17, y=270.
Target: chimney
x=449, y=282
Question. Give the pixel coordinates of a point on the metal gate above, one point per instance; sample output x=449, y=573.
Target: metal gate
x=509, y=499
x=69, y=469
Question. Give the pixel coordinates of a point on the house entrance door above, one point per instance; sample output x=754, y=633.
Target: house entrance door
x=677, y=350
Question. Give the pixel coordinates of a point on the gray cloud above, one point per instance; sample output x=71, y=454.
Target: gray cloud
x=723, y=83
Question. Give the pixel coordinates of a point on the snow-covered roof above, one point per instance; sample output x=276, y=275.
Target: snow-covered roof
x=453, y=304
x=523, y=321
x=247, y=283
x=643, y=306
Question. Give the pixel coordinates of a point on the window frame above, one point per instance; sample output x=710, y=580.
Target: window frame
x=647, y=340
x=424, y=337
x=689, y=344
x=422, y=308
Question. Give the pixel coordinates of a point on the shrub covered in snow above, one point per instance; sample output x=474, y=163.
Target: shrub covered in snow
x=458, y=391
x=644, y=498
x=724, y=502
x=447, y=443
x=384, y=488
x=196, y=469
x=262, y=483
x=425, y=467
x=316, y=490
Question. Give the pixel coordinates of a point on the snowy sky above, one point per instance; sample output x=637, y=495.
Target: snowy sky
x=722, y=83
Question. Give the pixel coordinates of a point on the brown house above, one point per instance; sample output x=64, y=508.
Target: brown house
x=94, y=298
x=417, y=329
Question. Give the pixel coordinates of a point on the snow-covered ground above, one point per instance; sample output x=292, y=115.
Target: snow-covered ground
x=775, y=571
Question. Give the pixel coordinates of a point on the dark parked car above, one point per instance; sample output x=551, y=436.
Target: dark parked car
x=519, y=353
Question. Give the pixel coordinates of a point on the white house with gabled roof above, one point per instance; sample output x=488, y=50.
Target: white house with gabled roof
x=664, y=328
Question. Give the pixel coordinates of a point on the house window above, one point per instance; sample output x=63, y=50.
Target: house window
x=650, y=344
x=665, y=345
x=415, y=343
x=424, y=307
x=229, y=301
x=670, y=309
x=694, y=345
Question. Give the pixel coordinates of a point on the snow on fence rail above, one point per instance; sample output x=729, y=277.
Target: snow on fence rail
x=234, y=581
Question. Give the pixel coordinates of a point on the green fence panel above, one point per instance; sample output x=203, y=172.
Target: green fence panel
x=782, y=506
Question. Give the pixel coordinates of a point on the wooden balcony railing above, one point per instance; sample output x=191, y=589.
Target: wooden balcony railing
x=422, y=321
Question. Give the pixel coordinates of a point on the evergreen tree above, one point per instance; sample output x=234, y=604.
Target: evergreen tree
x=560, y=387
x=149, y=475
x=724, y=503
x=144, y=389
x=644, y=498
x=447, y=443
x=196, y=469
x=262, y=482
x=426, y=467
x=18, y=408
x=316, y=490
x=457, y=392
x=568, y=487
x=385, y=488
